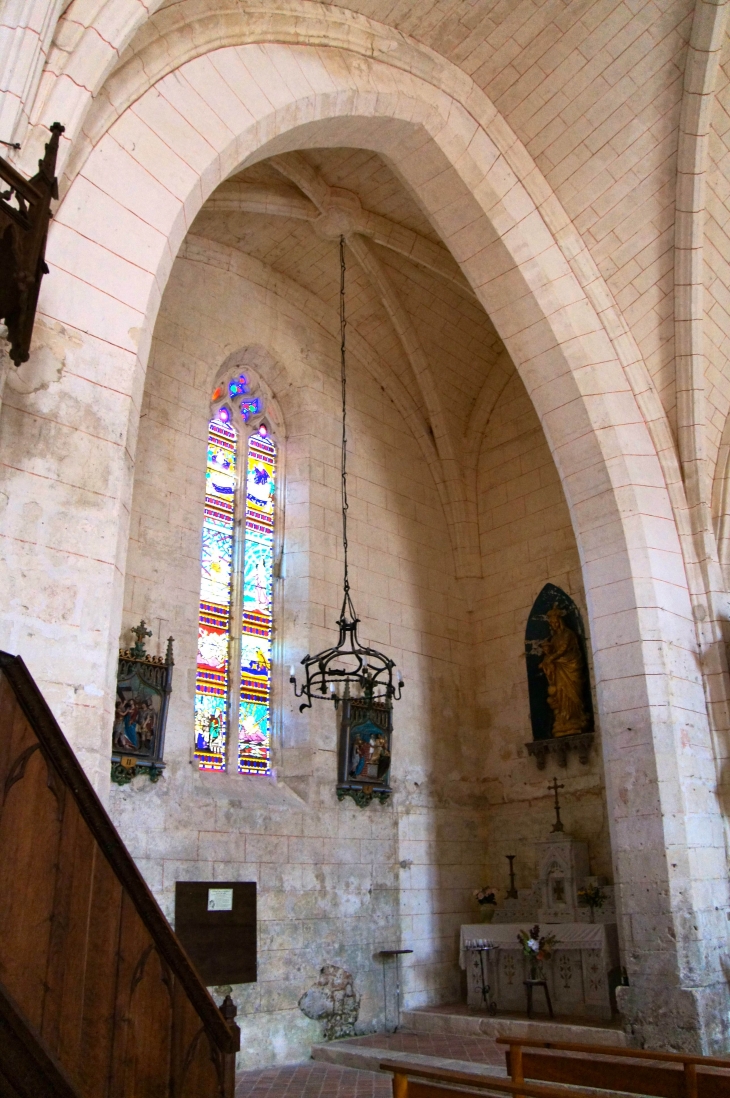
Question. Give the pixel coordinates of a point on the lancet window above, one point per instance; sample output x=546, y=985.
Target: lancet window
x=233, y=678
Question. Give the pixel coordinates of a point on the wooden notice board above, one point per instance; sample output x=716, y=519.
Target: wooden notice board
x=216, y=923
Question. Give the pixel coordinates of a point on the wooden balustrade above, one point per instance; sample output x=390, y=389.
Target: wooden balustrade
x=95, y=985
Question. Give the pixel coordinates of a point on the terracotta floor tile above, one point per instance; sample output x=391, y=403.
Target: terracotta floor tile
x=313, y=1081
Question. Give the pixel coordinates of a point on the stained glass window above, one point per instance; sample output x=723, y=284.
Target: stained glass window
x=212, y=679
x=254, y=738
x=216, y=696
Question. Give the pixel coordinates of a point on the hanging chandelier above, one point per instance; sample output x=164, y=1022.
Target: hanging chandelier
x=347, y=669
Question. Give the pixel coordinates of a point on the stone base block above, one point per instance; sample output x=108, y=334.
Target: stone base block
x=677, y=1019
x=441, y=1020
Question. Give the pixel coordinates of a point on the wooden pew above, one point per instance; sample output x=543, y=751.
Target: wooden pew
x=425, y=1082
x=94, y=978
x=634, y=1071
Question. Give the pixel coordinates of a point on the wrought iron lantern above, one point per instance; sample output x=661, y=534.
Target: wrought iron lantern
x=348, y=669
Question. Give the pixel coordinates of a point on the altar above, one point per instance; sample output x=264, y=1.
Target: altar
x=585, y=959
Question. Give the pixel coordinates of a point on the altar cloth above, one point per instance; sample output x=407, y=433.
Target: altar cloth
x=567, y=935
x=580, y=972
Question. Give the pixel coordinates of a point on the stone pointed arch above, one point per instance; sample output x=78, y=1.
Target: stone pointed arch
x=110, y=250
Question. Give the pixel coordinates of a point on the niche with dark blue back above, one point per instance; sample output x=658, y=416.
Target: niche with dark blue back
x=557, y=652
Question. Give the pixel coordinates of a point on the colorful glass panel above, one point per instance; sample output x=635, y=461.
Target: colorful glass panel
x=211, y=686
x=254, y=736
x=250, y=406
x=237, y=386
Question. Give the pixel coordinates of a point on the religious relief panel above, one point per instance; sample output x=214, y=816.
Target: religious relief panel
x=364, y=756
x=561, y=707
x=144, y=683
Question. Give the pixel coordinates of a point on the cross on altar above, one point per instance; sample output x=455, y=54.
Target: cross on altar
x=554, y=787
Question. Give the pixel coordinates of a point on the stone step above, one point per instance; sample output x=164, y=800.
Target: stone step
x=367, y=1053
x=441, y=1021
x=348, y=1053
x=460, y=1039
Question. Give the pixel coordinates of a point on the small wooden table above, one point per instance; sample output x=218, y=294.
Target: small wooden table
x=530, y=985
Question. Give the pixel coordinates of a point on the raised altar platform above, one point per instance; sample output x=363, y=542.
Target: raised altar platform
x=578, y=974
x=455, y=1037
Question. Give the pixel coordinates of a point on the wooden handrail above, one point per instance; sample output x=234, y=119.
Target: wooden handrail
x=615, y=1050
x=465, y=1080
x=56, y=748
x=86, y=953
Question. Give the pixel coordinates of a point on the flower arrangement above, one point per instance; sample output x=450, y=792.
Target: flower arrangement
x=592, y=896
x=536, y=948
x=486, y=895
x=487, y=899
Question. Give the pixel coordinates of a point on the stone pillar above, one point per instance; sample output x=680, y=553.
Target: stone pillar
x=669, y=854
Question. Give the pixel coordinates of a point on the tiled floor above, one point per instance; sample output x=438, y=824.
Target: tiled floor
x=477, y=1050
x=313, y=1080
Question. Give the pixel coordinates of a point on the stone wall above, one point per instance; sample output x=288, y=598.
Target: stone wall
x=331, y=890
x=337, y=883
x=527, y=541
x=542, y=144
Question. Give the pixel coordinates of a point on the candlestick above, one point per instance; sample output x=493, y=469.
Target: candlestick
x=512, y=891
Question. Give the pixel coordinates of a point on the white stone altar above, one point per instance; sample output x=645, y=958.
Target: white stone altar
x=577, y=974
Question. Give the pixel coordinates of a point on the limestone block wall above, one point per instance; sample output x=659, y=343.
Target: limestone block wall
x=716, y=326
x=594, y=96
x=328, y=874
x=527, y=541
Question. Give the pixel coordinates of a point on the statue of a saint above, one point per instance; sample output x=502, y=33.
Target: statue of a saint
x=563, y=667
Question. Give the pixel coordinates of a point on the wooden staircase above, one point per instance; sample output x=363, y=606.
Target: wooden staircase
x=97, y=997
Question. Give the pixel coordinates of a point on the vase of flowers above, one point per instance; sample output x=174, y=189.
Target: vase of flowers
x=487, y=899
x=536, y=949
x=592, y=896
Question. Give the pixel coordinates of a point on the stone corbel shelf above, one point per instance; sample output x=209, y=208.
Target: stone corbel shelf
x=561, y=747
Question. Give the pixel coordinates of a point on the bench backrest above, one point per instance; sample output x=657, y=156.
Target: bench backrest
x=434, y=1083
x=634, y=1071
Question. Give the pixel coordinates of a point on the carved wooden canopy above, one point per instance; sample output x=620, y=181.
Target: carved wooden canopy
x=25, y=210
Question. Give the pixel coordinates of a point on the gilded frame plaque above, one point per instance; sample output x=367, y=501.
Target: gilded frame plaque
x=144, y=684
x=364, y=756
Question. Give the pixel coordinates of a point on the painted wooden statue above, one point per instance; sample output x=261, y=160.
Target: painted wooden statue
x=557, y=667
x=563, y=665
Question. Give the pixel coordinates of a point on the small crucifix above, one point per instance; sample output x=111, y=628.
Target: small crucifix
x=554, y=787
x=140, y=633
